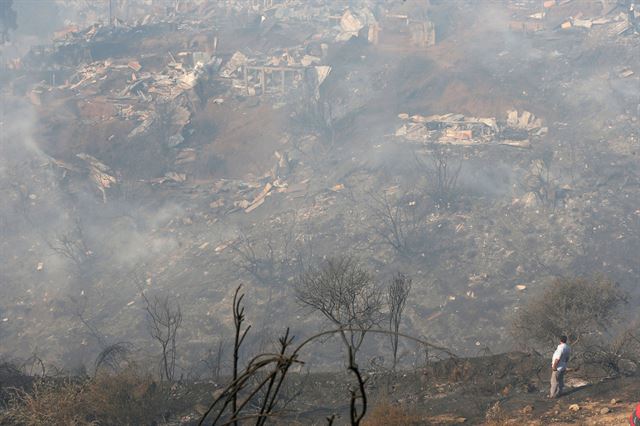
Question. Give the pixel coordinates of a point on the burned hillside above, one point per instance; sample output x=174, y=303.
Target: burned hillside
x=182, y=148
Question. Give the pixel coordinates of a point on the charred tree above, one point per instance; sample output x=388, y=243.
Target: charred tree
x=443, y=169
x=345, y=294
x=165, y=319
x=397, y=296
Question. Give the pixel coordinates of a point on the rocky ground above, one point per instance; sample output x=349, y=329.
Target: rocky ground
x=496, y=390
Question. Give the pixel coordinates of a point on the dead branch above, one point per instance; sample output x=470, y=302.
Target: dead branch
x=238, y=319
x=73, y=246
x=213, y=359
x=277, y=365
x=79, y=308
x=345, y=294
x=444, y=171
x=33, y=361
x=281, y=363
x=360, y=393
x=397, y=222
x=112, y=356
x=397, y=295
x=390, y=222
x=165, y=320
x=270, y=259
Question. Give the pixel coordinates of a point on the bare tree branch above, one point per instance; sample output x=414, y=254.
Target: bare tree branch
x=165, y=319
x=344, y=293
x=397, y=295
x=444, y=171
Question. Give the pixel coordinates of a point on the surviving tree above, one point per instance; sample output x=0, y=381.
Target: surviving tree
x=579, y=308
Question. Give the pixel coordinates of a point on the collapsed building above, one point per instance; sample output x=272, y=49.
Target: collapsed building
x=604, y=18
x=274, y=74
x=403, y=30
x=99, y=69
x=517, y=129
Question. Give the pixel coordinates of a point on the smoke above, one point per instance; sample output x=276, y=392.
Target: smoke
x=180, y=233
x=495, y=181
x=41, y=208
x=17, y=126
x=8, y=20
x=138, y=239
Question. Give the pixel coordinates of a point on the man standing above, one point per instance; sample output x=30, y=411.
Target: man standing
x=559, y=367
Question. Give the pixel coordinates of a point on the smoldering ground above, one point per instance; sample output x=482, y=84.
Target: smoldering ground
x=194, y=233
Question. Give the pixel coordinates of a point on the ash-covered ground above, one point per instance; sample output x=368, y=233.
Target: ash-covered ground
x=184, y=148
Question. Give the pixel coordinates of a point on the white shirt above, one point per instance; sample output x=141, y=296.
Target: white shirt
x=562, y=354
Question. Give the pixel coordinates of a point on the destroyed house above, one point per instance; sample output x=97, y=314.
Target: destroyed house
x=612, y=18
x=457, y=129
x=275, y=74
x=403, y=30
x=95, y=43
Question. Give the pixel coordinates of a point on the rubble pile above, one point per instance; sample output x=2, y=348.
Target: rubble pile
x=605, y=19
x=277, y=72
x=457, y=129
